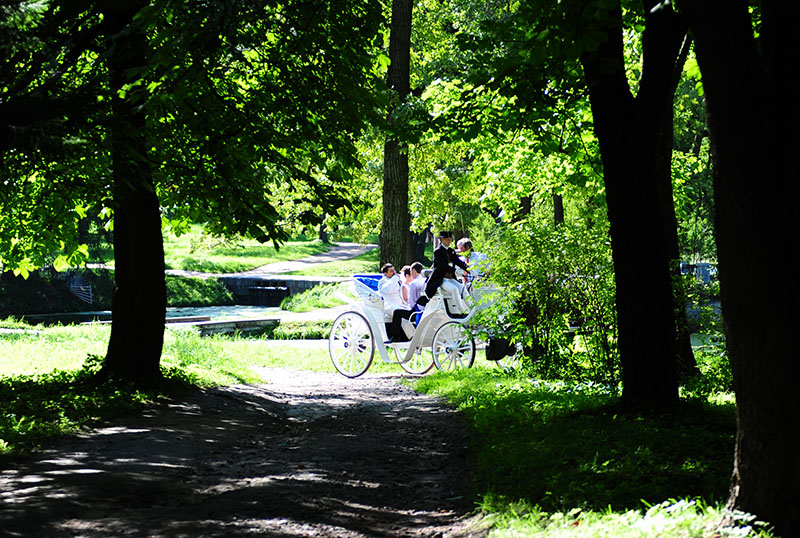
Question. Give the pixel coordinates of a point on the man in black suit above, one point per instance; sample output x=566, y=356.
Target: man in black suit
x=445, y=261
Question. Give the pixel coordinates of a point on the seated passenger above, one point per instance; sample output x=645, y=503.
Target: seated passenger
x=405, y=278
x=415, y=289
x=477, y=262
x=389, y=288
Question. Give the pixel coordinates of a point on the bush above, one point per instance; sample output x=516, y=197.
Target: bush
x=715, y=368
x=558, y=300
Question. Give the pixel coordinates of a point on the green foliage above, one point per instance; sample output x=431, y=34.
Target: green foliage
x=558, y=298
x=694, y=202
x=715, y=377
x=322, y=296
x=291, y=83
x=300, y=330
x=38, y=407
x=577, y=452
x=251, y=111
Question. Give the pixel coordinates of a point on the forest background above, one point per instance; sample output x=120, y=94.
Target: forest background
x=544, y=130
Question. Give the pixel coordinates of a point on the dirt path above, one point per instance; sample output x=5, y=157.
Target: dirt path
x=310, y=454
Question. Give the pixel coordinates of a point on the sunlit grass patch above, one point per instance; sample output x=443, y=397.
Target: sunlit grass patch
x=37, y=350
x=198, y=251
x=669, y=519
x=365, y=263
x=562, y=445
x=322, y=296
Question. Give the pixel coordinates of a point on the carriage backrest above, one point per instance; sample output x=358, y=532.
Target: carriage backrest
x=453, y=306
x=366, y=285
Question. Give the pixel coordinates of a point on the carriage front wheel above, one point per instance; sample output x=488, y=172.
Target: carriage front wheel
x=453, y=347
x=351, y=344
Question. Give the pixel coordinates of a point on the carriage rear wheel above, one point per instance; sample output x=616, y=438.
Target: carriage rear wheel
x=453, y=347
x=351, y=344
x=510, y=362
x=419, y=363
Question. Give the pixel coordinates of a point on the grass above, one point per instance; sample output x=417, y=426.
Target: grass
x=553, y=459
x=672, y=518
x=322, y=296
x=367, y=262
x=548, y=459
x=198, y=251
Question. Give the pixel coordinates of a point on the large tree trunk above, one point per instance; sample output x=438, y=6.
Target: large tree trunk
x=139, y=297
x=396, y=219
x=750, y=95
x=558, y=209
x=630, y=131
x=687, y=365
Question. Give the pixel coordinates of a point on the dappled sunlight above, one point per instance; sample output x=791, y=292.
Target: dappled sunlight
x=309, y=453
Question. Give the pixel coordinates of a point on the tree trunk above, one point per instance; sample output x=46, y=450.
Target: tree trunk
x=629, y=131
x=396, y=220
x=687, y=365
x=558, y=209
x=139, y=296
x=755, y=173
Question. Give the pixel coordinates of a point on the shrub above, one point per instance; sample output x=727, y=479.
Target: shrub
x=558, y=300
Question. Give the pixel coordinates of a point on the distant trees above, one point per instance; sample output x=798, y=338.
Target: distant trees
x=212, y=112
x=545, y=59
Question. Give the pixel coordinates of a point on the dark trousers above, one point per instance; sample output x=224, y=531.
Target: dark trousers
x=397, y=333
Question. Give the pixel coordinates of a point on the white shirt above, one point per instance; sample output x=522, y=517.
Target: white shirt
x=478, y=263
x=389, y=288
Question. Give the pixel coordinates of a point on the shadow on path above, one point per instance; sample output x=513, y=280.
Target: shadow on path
x=309, y=454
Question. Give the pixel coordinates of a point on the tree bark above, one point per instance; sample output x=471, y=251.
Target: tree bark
x=139, y=296
x=396, y=220
x=631, y=134
x=750, y=93
x=558, y=209
x=687, y=365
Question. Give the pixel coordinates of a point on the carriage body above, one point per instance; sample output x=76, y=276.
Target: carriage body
x=439, y=337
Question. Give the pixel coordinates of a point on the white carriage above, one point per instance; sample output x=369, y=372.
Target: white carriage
x=438, y=337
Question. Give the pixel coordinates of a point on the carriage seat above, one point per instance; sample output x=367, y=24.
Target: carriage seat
x=366, y=287
x=454, y=305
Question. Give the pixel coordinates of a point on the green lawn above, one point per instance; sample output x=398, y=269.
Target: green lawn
x=365, y=263
x=197, y=251
x=548, y=459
